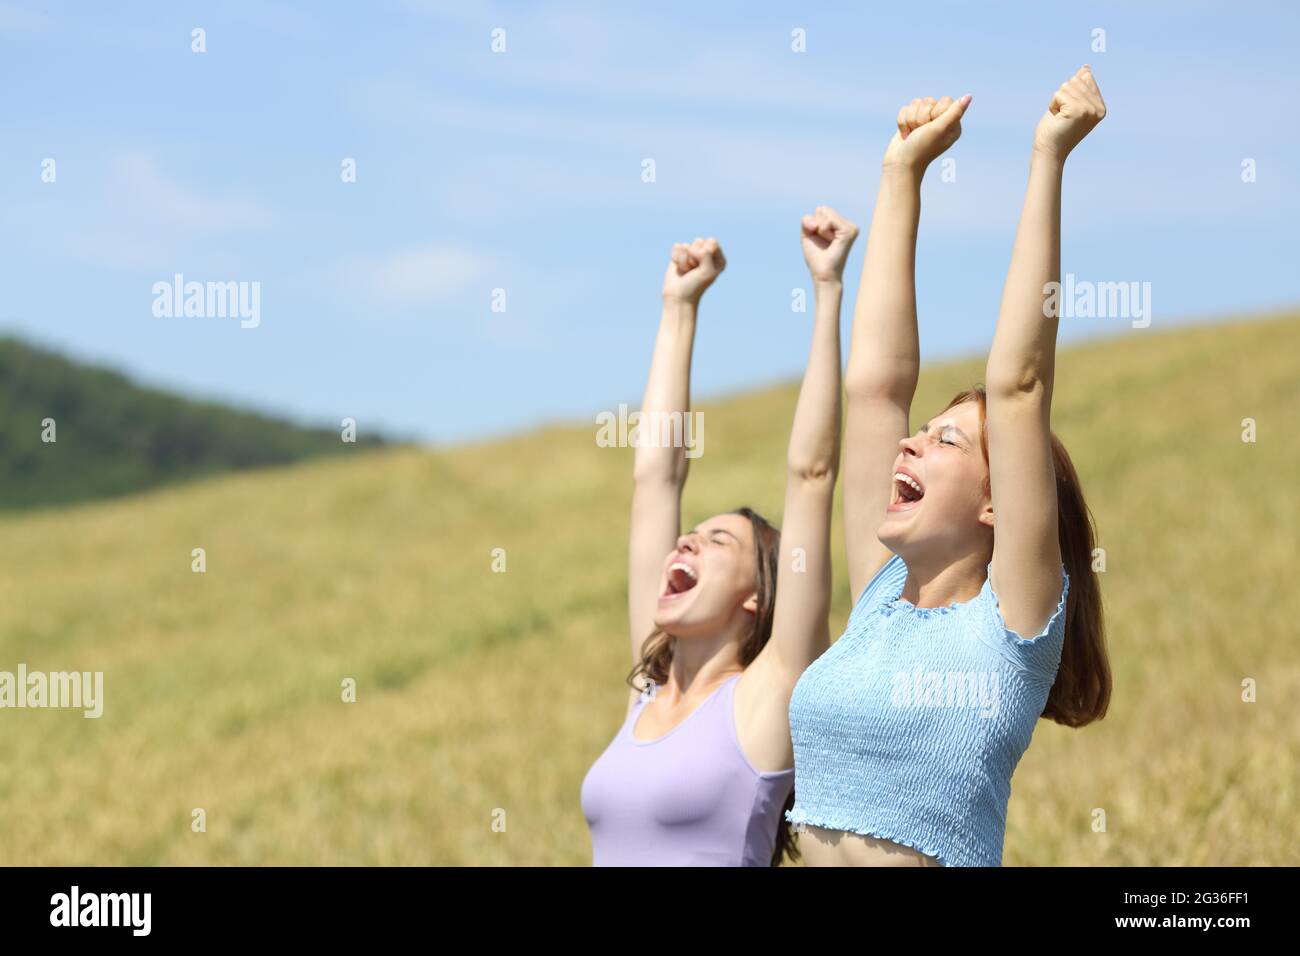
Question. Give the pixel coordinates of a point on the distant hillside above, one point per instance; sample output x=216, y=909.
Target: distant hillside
x=115, y=437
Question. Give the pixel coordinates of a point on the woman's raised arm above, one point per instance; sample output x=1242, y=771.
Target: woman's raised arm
x=659, y=470
x=800, y=632
x=1019, y=377
x=803, y=590
x=885, y=358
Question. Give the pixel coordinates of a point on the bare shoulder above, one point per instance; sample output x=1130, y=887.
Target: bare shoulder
x=762, y=716
x=877, y=558
x=633, y=695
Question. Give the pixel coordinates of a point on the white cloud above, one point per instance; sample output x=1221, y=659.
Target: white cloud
x=418, y=275
x=134, y=217
x=137, y=176
x=14, y=19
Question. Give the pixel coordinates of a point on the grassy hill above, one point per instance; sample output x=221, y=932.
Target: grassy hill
x=114, y=437
x=481, y=692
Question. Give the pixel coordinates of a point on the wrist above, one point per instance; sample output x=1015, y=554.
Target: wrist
x=904, y=173
x=679, y=305
x=1049, y=155
x=831, y=284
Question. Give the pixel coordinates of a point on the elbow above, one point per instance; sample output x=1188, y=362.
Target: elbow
x=813, y=471
x=1019, y=385
x=862, y=389
x=661, y=473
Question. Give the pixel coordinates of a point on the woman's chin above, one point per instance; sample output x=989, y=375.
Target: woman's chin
x=674, y=620
x=666, y=617
x=890, y=534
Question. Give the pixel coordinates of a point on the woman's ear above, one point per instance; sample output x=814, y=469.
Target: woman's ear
x=986, y=516
x=751, y=603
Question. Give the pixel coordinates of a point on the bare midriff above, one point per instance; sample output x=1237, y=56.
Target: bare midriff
x=822, y=847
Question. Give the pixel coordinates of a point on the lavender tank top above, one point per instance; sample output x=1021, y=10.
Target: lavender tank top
x=688, y=798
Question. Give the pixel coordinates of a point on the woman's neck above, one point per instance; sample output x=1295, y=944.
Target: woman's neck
x=696, y=667
x=943, y=582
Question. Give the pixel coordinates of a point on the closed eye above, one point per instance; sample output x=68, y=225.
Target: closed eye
x=946, y=430
x=717, y=535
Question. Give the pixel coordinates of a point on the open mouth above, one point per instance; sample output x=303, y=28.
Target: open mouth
x=681, y=578
x=908, y=491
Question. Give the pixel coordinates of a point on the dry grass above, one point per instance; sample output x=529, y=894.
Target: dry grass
x=482, y=692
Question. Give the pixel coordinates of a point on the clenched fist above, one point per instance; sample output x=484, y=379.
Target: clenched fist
x=692, y=269
x=826, y=237
x=926, y=127
x=1075, y=109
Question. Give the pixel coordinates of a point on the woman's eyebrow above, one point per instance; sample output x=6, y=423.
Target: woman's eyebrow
x=716, y=531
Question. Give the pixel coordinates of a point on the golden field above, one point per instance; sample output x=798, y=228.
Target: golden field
x=482, y=692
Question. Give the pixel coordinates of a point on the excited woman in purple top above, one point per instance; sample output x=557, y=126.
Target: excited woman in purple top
x=702, y=768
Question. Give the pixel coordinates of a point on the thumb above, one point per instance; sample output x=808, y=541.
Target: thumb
x=953, y=114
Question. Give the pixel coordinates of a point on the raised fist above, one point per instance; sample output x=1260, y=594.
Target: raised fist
x=1075, y=109
x=826, y=237
x=692, y=269
x=926, y=127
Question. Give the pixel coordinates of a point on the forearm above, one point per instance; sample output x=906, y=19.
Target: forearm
x=667, y=391
x=799, y=631
x=1022, y=358
x=815, y=436
x=885, y=354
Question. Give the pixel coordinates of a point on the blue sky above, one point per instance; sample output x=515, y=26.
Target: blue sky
x=522, y=171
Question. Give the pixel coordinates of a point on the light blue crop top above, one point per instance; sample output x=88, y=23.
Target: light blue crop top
x=910, y=726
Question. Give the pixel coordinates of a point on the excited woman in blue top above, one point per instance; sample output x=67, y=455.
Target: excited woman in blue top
x=969, y=544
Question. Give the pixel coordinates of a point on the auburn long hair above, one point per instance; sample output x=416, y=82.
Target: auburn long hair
x=1081, y=692
x=657, y=649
